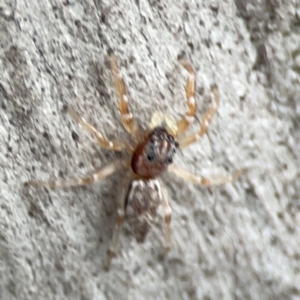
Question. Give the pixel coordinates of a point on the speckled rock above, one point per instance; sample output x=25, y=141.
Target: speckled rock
x=238, y=241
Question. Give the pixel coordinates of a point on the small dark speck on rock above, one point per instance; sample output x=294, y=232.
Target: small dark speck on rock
x=64, y=108
x=77, y=23
x=75, y=136
x=103, y=18
x=46, y=135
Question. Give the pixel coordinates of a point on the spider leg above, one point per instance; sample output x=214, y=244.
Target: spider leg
x=190, y=89
x=127, y=118
x=217, y=180
x=111, y=252
x=103, y=173
x=190, y=139
x=111, y=145
x=167, y=220
x=120, y=217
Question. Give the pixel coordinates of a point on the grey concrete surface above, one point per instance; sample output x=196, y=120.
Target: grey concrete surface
x=238, y=241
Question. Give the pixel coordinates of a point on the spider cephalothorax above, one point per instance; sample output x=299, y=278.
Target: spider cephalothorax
x=152, y=157
x=141, y=192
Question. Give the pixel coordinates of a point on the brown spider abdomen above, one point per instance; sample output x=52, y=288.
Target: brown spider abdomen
x=152, y=157
x=141, y=205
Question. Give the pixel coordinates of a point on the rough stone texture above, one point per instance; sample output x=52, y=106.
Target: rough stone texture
x=238, y=241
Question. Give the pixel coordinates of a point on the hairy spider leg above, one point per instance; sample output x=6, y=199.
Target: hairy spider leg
x=167, y=214
x=103, y=173
x=126, y=116
x=192, y=138
x=190, y=90
x=120, y=217
x=104, y=142
x=217, y=180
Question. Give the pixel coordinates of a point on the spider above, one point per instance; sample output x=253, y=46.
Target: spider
x=150, y=155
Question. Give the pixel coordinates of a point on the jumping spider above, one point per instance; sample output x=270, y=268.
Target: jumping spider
x=151, y=154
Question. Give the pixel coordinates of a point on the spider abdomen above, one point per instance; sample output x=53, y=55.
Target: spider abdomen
x=142, y=202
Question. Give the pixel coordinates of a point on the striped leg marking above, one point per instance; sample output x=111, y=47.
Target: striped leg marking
x=217, y=180
x=167, y=220
x=120, y=217
x=103, y=173
x=190, y=90
x=94, y=132
x=127, y=118
x=192, y=138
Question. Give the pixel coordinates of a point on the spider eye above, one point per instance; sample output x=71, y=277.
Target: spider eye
x=169, y=160
x=151, y=157
x=176, y=144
